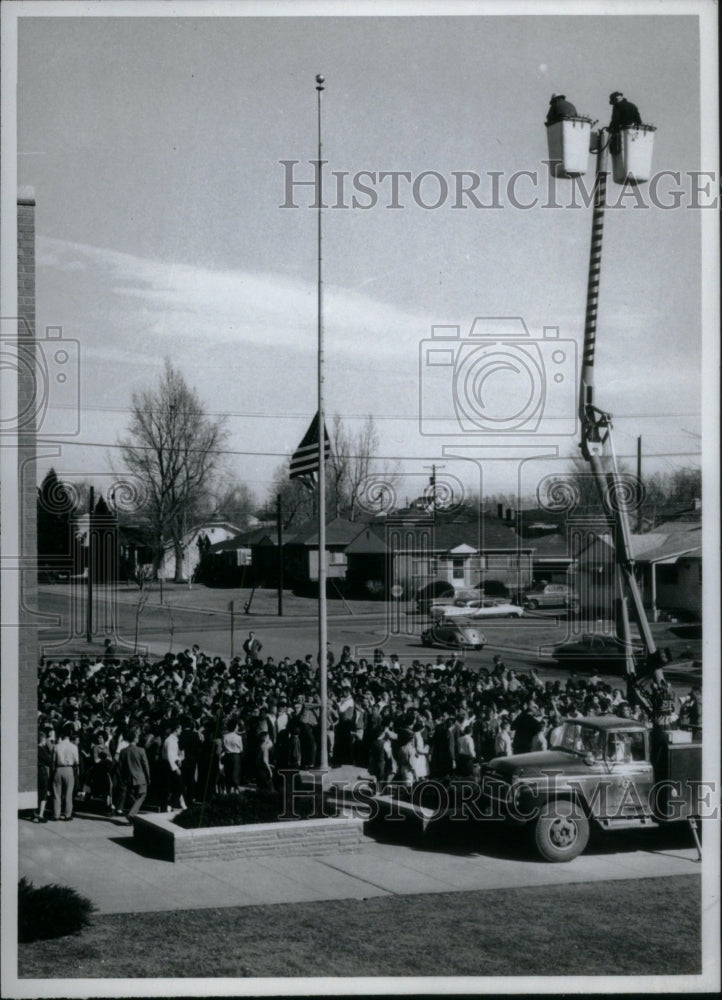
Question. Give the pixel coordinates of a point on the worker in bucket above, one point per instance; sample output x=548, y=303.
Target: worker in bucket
x=624, y=115
x=559, y=108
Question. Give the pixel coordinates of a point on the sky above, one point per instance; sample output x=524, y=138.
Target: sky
x=154, y=146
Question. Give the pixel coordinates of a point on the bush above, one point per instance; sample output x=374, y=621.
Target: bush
x=238, y=810
x=50, y=911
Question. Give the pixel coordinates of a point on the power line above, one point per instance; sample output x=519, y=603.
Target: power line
x=396, y=417
x=377, y=458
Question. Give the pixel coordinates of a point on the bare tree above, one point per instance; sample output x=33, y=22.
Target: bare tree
x=234, y=502
x=353, y=461
x=174, y=448
x=297, y=500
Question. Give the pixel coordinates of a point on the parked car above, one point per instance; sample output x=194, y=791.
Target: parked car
x=486, y=607
x=445, y=596
x=551, y=595
x=604, y=651
x=453, y=634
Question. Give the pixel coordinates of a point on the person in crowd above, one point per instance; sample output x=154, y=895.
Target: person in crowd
x=370, y=703
x=252, y=648
x=539, y=739
x=134, y=773
x=404, y=775
x=525, y=725
x=173, y=777
x=46, y=754
x=503, y=746
x=233, y=755
x=189, y=744
x=65, y=767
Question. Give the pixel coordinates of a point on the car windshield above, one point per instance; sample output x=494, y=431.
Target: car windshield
x=576, y=737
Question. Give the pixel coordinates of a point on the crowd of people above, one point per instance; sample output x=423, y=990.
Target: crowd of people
x=134, y=730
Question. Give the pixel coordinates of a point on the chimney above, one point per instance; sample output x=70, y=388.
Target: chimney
x=697, y=504
x=509, y=515
x=500, y=511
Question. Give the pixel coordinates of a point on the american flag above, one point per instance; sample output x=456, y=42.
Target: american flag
x=305, y=458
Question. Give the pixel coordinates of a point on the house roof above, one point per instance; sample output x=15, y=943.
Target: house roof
x=244, y=540
x=369, y=541
x=553, y=546
x=338, y=532
x=666, y=543
x=483, y=534
x=199, y=529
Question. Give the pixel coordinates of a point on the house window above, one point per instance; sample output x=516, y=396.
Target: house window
x=666, y=575
x=458, y=569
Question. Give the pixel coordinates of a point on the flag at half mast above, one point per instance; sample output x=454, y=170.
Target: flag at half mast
x=305, y=458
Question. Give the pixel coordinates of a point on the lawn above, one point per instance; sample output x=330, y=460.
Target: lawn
x=629, y=927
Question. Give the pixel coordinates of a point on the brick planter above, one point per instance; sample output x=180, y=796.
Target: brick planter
x=160, y=836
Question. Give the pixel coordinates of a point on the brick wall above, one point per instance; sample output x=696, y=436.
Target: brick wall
x=27, y=506
x=160, y=836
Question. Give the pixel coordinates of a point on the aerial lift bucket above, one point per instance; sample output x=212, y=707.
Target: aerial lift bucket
x=568, y=143
x=632, y=156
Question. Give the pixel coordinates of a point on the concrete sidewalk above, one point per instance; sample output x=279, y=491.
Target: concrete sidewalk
x=97, y=857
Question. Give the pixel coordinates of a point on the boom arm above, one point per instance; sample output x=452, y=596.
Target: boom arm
x=596, y=438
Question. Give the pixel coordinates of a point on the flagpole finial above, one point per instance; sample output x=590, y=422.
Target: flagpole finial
x=320, y=80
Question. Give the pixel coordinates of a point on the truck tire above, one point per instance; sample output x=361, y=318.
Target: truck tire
x=562, y=831
x=531, y=605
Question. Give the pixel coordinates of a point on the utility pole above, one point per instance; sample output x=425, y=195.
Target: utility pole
x=639, y=484
x=89, y=601
x=279, y=529
x=432, y=484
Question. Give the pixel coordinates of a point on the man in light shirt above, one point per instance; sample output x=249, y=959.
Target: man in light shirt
x=65, y=762
x=170, y=755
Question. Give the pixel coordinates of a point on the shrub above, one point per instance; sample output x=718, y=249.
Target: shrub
x=50, y=911
x=237, y=810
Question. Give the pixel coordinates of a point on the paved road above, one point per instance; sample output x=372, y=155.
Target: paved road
x=523, y=643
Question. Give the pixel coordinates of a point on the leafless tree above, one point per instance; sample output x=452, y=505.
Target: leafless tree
x=174, y=448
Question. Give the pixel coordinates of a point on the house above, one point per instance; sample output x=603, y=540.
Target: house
x=230, y=562
x=411, y=550
x=553, y=538
x=301, y=552
x=668, y=568
x=194, y=541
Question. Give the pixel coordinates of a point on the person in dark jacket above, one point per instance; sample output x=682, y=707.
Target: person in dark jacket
x=134, y=773
x=559, y=108
x=624, y=115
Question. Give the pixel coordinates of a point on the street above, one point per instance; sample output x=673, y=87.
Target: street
x=200, y=616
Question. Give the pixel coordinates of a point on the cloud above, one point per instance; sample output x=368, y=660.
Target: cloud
x=179, y=300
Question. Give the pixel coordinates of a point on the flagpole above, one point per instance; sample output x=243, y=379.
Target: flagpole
x=322, y=630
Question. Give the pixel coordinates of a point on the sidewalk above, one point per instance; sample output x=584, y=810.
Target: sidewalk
x=96, y=856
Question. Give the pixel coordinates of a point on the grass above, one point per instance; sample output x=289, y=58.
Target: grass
x=627, y=927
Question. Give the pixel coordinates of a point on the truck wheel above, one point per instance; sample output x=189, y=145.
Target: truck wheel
x=562, y=831
x=531, y=605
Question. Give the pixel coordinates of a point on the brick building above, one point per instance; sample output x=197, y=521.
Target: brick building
x=28, y=401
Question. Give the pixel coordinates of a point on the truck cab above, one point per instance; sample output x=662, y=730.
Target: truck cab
x=605, y=771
